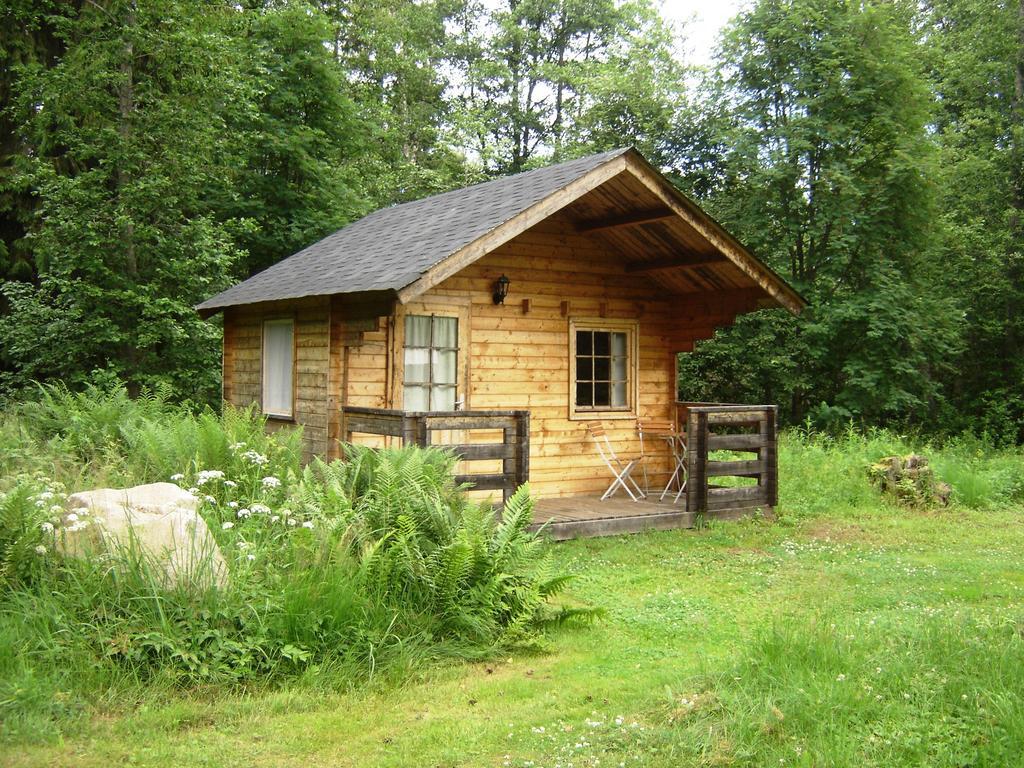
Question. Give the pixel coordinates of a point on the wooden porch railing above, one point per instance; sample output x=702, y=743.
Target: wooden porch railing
x=417, y=428
x=704, y=424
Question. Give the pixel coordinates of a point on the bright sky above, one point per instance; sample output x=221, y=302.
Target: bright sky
x=702, y=20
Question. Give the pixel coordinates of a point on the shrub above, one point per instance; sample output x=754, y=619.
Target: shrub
x=338, y=572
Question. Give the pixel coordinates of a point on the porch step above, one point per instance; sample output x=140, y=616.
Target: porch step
x=559, y=528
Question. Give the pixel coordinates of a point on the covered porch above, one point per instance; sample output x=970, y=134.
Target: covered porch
x=730, y=462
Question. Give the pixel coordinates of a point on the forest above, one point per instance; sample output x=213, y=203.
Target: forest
x=152, y=152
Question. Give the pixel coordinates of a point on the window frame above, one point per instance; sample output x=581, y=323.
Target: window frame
x=444, y=305
x=429, y=384
x=277, y=320
x=604, y=325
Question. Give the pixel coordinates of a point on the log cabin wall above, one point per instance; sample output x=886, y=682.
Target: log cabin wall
x=243, y=353
x=519, y=352
x=517, y=355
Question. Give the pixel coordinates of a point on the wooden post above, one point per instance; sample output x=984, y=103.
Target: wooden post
x=522, y=448
x=771, y=457
x=697, y=458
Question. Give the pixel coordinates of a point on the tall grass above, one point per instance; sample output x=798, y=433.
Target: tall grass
x=825, y=474
x=338, y=573
x=104, y=437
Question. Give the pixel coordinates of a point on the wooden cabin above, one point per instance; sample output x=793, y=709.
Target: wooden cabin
x=507, y=316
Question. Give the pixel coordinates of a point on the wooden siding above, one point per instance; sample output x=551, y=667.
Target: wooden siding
x=243, y=373
x=520, y=350
x=518, y=353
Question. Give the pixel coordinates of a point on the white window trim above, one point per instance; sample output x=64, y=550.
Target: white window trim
x=632, y=330
x=290, y=414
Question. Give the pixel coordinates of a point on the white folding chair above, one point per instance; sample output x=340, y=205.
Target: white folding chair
x=621, y=468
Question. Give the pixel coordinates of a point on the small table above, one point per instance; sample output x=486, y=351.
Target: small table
x=677, y=447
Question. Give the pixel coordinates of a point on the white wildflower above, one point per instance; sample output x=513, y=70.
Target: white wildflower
x=227, y=525
x=236, y=446
x=271, y=482
x=177, y=477
x=274, y=518
x=255, y=457
x=40, y=550
x=308, y=524
x=230, y=484
x=233, y=504
x=840, y=677
x=47, y=527
x=72, y=517
x=250, y=557
x=207, y=475
x=292, y=521
x=243, y=513
x=193, y=491
x=260, y=509
x=40, y=503
x=56, y=509
x=210, y=499
x=286, y=512
x=45, y=496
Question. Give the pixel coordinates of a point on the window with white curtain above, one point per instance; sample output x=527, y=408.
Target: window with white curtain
x=431, y=362
x=278, y=357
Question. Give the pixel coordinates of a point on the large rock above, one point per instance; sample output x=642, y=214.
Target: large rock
x=159, y=520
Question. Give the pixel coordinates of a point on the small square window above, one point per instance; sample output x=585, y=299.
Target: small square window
x=602, y=368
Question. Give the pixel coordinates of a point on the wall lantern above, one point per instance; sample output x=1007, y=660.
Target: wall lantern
x=501, y=290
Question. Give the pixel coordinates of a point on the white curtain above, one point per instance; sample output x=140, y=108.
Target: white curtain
x=619, y=361
x=431, y=362
x=277, y=367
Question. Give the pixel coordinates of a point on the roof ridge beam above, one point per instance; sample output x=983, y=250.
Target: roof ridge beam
x=631, y=219
x=676, y=262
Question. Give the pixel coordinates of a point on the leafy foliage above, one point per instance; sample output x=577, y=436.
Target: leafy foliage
x=341, y=572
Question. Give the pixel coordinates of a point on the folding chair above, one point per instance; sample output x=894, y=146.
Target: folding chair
x=621, y=468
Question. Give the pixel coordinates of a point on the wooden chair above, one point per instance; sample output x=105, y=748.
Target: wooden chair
x=621, y=468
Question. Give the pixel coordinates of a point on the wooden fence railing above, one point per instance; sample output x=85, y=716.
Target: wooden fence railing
x=418, y=428
x=714, y=427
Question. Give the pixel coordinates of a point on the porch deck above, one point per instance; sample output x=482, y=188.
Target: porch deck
x=578, y=517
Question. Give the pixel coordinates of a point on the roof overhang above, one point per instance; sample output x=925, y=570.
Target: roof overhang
x=673, y=203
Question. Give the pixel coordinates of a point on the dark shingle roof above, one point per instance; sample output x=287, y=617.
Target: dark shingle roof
x=391, y=248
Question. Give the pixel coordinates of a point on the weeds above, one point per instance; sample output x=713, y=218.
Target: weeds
x=338, y=573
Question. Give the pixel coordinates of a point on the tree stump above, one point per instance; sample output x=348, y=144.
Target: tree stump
x=910, y=480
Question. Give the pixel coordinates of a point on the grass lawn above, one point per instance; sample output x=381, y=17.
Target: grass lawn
x=873, y=637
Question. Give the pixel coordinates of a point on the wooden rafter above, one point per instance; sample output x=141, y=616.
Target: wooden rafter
x=626, y=220
x=676, y=262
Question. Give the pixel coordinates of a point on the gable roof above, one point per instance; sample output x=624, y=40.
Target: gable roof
x=391, y=248
x=405, y=249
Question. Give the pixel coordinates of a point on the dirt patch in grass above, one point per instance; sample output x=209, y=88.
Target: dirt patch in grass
x=835, y=530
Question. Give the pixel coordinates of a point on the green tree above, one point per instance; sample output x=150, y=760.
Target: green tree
x=27, y=40
x=127, y=136
x=395, y=56
x=563, y=77
x=826, y=177
x=975, y=55
x=298, y=146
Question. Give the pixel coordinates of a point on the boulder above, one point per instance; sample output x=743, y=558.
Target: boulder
x=159, y=520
